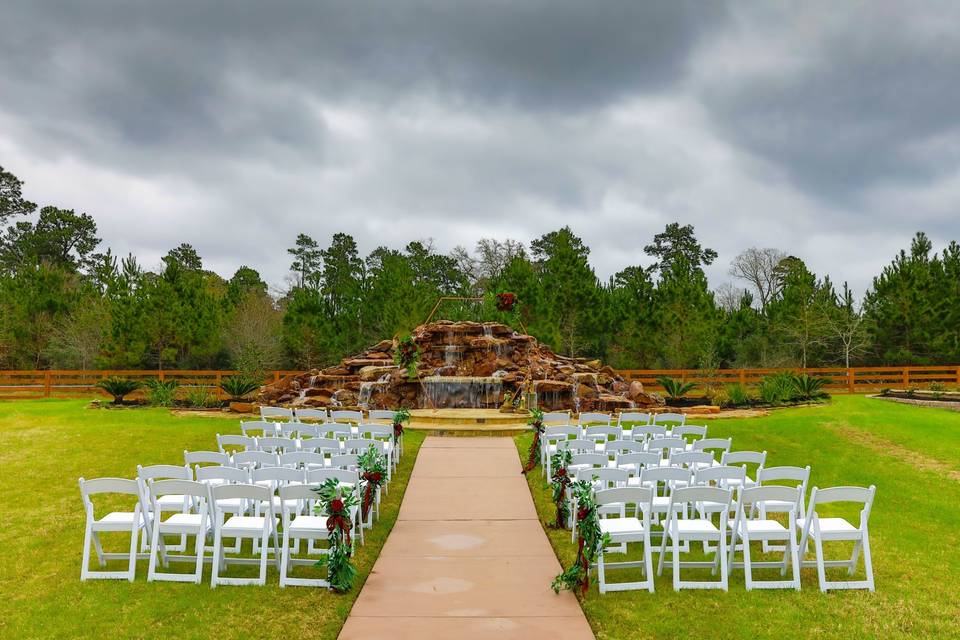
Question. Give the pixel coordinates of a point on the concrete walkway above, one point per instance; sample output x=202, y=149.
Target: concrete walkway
x=467, y=557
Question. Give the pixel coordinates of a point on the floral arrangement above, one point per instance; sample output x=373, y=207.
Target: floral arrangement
x=373, y=472
x=592, y=540
x=559, y=482
x=506, y=301
x=336, y=505
x=536, y=423
x=407, y=356
x=399, y=417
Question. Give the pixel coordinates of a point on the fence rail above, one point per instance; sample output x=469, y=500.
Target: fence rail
x=47, y=383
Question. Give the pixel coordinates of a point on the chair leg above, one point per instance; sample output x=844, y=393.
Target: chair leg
x=99, y=549
x=676, y=563
x=201, y=544
x=134, y=535
x=867, y=562
x=853, y=558
x=264, y=546
x=85, y=562
x=747, y=567
x=821, y=572
x=154, y=550
x=795, y=559
x=648, y=560
x=215, y=563
x=284, y=557
x=722, y=550
x=601, y=575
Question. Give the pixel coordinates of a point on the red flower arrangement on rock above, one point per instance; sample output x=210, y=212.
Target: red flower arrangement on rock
x=506, y=301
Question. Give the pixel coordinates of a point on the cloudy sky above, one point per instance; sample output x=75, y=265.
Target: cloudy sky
x=829, y=129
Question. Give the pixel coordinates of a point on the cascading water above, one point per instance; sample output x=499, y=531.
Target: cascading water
x=461, y=392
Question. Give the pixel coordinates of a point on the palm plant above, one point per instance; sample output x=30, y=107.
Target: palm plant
x=808, y=387
x=119, y=387
x=238, y=386
x=674, y=388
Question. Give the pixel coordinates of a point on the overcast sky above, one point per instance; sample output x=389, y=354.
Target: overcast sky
x=827, y=129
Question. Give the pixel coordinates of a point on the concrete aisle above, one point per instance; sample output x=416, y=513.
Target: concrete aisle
x=467, y=557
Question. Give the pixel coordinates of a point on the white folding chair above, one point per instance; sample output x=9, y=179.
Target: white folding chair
x=633, y=419
x=381, y=414
x=274, y=478
x=341, y=431
x=276, y=444
x=833, y=529
x=693, y=460
x=761, y=529
x=217, y=476
x=624, y=529
x=599, y=478
x=234, y=443
x=602, y=433
x=645, y=432
x=259, y=429
x=307, y=460
x=616, y=447
x=666, y=446
x=696, y=432
x=347, y=479
x=635, y=462
x=297, y=526
x=556, y=418
x=743, y=458
x=344, y=416
x=252, y=459
x=345, y=461
x=670, y=418
x=195, y=458
x=277, y=413
x=594, y=418
x=183, y=524
x=664, y=481
x=260, y=528
x=713, y=444
x=679, y=530
x=790, y=476
x=315, y=415
x=168, y=502
x=131, y=521
x=548, y=443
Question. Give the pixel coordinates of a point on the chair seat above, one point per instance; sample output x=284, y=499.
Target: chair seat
x=244, y=523
x=830, y=525
x=172, y=501
x=759, y=526
x=308, y=523
x=615, y=526
x=693, y=526
x=779, y=505
x=118, y=518
x=182, y=520
x=231, y=504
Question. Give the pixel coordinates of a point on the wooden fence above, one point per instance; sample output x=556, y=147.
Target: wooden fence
x=47, y=383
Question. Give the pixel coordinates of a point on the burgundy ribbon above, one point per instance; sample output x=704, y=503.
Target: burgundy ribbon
x=340, y=520
x=373, y=480
x=582, y=557
x=534, y=447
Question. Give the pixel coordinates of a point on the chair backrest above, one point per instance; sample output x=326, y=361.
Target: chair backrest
x=225, y=474
x=863, y=495
x=349, y=476
x=556, y=418
x=288, y=429
x=233, y=442
x=108, y=485
x=279, y=476
x=381, y=414
x=719, y=476
x=648, y=431
x=701, y=494
x=337, y=430
x=360, y=445
x=558, y=432
x=602, y=432
x=259, y=428
x=775, y=475
x=206, y=457
x=324, y=444
x=277, y=444
x=594, y=459
x=669, y=477
x=639, y=497
x=623, y=446
x=636, y=418
x=242, y=491
x=669, y=417
x=190, y=488
x=666, y=445
x=683, y=430
x=713, y=444
x=165, y=471
x=317, y=415
x=577, y=444
x=587, y=418
x=344, y=461
x=639, y=459
x=692, y=459
x=251, y=459
x=276, y=413
x=342, y=415
x=312, y=430
x=773, y=498
x=605, y=476
x=302, y=458
x=376, y=431
x=743, y=457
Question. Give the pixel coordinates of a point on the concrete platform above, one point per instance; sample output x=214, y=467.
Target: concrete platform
x=467, y=557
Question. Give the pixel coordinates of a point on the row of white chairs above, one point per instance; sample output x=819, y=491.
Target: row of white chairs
x=625, y=515
x=239, y=506
x=292, y=414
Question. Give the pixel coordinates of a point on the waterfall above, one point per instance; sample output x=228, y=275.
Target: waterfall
x=467, y=392
x=451, y=355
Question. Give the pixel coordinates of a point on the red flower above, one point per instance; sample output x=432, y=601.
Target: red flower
x=336, y=505
x=561, y=472
x=583, y=513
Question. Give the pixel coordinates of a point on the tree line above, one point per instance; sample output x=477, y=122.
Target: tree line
x=68, y=302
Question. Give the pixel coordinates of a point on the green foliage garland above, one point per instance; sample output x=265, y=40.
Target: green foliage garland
x=559, y=483
x=400, y=416
x=336, y=506
x=590, y=538
x=373, y=473
x=536, y=423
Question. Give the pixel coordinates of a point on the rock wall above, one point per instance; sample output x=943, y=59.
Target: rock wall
x=463, y=353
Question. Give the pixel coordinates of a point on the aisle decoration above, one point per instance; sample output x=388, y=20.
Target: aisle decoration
x=336, y=505
x=591, y=541
x=407, y=356
x=373, y=472
x=399, y=417
x=560, y=481
x=536, y=423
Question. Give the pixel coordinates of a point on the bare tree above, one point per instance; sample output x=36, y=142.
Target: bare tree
x=848, y=327
x=76, y=340
x=758, y=267
x=253, y=335
x=728, y=297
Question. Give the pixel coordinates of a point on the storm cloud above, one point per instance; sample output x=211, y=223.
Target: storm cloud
x=826, y=129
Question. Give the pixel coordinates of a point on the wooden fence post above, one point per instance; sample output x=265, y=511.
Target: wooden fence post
x=851, y=374
x=958, y=376
x=161, y=375
x=47, y=383
x=743, y=377
x=906, y=377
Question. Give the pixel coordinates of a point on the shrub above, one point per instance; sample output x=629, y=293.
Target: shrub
x=719, y=397
x=160, y=393
x=675, y=388
x=119, y=387
x=201, y=397
x=738, y=395
x=238, y=386
x=777, y=388
x=808, y=387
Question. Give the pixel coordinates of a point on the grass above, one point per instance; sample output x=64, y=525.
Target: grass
x=911, y=454
x=45, y=445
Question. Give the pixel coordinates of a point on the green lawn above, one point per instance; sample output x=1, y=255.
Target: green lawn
x=45, y=445
x=911, y=454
